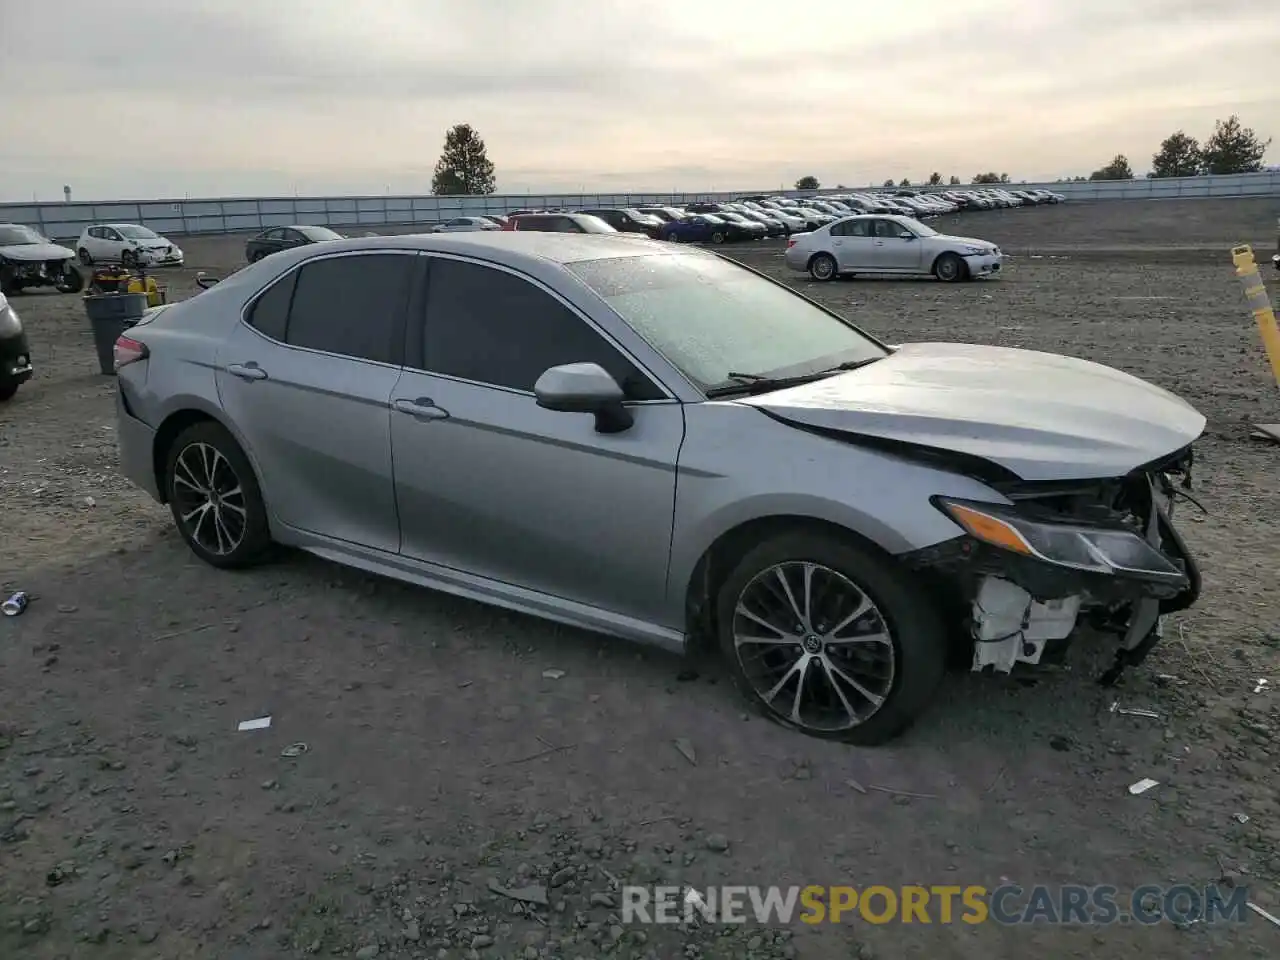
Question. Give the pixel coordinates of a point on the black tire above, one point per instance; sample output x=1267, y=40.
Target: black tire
x=85, y=257
x=718, y=237
x=256, y=256
x=72, y=281
x=672, y=237
x=913, y=622
x=949, y=268
x=823, y=267
x=255, y=541
x=7, y=389
x=129, y=259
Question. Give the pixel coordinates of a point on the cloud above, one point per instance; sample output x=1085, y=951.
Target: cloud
x=254, y=97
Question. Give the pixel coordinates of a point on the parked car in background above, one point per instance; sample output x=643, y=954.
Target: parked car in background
x=752, y=229
x=128, y=243
x=629, y=220
x=661, y=445
x=497, y=218
x=665, y=214
x=284, y=238
x=886, y=244
x=558, y=223
x=15, y=351
x=728, y=231
x=465, y=225
x=774, y=227
x=29, y=259
x=694, y=228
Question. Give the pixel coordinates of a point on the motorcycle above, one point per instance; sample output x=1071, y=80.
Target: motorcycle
x=15, y=352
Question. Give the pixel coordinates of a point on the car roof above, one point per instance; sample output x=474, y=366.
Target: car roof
x=512, y=248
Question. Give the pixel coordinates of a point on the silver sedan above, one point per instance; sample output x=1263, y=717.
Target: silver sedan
x=890, y=244
x=466, y=225
x=657, y=443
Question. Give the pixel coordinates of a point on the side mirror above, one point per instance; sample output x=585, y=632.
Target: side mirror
x=584, y=388
x=907, y=236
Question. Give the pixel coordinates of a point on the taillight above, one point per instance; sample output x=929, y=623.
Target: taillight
x=127, y=351
x=790, y=243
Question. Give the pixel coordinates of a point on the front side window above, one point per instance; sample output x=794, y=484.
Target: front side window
x=351, y=305
x=710, y=317
x=493, y=327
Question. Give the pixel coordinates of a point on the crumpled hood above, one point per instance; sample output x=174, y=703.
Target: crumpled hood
x=34, y=252
x=1039, y=415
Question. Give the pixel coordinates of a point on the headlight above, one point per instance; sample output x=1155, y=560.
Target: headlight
x=974, y=251
x=1092, y=549
x=10, y=325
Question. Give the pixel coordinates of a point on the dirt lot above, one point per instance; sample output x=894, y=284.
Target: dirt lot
x=136, y=822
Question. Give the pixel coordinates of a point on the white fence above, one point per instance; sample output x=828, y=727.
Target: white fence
x=228, y=215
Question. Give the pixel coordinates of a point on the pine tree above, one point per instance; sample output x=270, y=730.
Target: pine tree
x=464, y=168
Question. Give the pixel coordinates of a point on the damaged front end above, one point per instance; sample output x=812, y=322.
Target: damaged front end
x=1104, y=553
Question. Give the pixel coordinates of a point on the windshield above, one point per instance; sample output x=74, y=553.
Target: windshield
x=319, y=233
x=918, y=228
x=131, y=232
x=710, y=317
x=17, y=234
x=711, y=218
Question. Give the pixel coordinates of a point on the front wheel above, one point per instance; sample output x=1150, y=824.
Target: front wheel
x=717, y=237
x=215, y=499
x=71, y=281
x=129, y=259
x=86, y=258
x=823, y=267
x=830, y=638
x=950, y=268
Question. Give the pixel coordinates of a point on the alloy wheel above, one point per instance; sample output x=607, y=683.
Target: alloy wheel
x=210, y=499
x=814, y=646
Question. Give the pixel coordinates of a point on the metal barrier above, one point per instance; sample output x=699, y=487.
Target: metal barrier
x=63, y=221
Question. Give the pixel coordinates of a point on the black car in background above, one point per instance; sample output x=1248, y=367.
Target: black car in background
x=729, y=230
x=285, y=238
x=629, y=220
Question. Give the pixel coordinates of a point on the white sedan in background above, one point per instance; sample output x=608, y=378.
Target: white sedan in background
x=465, y=225
x=885, y=244
x=128, y=243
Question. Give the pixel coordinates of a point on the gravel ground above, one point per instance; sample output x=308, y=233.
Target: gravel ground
x=136, y=822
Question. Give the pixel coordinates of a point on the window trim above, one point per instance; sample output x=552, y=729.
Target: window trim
x=423, y=287
x=397, y=342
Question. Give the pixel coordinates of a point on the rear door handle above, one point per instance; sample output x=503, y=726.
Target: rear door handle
x=246, y=371
x=423, y=408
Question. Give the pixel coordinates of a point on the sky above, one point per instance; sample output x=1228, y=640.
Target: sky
x=188, y=98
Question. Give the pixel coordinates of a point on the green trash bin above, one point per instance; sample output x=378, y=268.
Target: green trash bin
x=110, y=315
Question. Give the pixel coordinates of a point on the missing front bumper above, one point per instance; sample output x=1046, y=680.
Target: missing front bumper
x=1018, y=606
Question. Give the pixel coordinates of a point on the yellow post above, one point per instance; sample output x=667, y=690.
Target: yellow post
x=1260, y=303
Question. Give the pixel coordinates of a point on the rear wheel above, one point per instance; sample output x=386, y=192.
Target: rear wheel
x=7, y=389
x=717, y=237
x=129, y=258
x=823, y=267
x=830, y=637
x=85, y=257
x=256, y=256
x=214, y=497
x=950, y=268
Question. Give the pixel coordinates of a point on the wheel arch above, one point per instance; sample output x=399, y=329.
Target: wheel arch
x=173, y=425
x=808, y=263
x=715, y=563
x=964, y=265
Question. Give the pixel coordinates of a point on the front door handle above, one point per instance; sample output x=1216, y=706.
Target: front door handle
x=246, y=371
x=423, y=408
